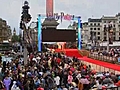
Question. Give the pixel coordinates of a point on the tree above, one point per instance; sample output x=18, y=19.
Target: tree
x=15, y=38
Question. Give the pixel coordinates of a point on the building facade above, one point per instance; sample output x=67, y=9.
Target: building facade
x=85, y=33
x=106, y=20
x=95, y=28
x=5, y=31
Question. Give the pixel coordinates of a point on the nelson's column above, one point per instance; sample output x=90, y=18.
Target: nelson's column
x=49, y=22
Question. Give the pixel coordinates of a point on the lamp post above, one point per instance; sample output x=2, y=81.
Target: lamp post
x=21, y=40
x=108, y=29
x=25, y=19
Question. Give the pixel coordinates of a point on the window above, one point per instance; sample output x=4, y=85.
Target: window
x=94, y=24
x=104, y=21
x=114, y=29
x=113, y=38
x=94, y=33
x=98, y=24
x=91, y=24
x=105, y=38
x=104, y=33
x=98, y=33
x=114, y=25
x=91, y=28
x=119, y=38
x=113, y=33
x=98, y=38
x=98, y=28
x=94, y=28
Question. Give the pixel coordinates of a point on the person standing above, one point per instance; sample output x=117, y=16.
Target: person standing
x=1, y=85
x=70, y=78
x=57, y=81
x=7, y=82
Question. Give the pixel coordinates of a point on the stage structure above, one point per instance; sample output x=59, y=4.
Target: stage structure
x=58, y=17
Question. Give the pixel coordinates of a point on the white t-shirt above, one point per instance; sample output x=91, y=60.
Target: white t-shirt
x=0, y=69
x=99, y=86
x=65, y=89
x=57, y=80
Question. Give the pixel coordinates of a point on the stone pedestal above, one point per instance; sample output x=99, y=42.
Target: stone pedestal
x=50, y=23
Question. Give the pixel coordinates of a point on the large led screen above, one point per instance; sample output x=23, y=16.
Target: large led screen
x=59, y=35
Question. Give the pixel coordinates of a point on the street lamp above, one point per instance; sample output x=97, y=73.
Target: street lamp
x=25, y=19
x=108, y=30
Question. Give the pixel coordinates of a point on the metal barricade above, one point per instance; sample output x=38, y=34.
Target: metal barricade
x=103, y=58
x=113, y=88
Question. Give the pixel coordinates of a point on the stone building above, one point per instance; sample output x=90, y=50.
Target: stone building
x=94, y=28
x=105, y=21
x=5, y=31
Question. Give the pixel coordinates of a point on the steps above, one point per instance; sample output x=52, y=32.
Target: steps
x=73, y=52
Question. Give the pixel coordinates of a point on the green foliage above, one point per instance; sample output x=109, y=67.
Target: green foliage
x=15, y=38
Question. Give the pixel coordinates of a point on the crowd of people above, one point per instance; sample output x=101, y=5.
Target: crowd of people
x=52, y=71
x=113, y=52
x=111, y=56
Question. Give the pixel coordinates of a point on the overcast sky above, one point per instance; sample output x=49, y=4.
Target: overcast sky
x=10, y=10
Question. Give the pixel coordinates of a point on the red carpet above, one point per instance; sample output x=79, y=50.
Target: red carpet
x=104, y=64
x=74, y=52
x=70, y=52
